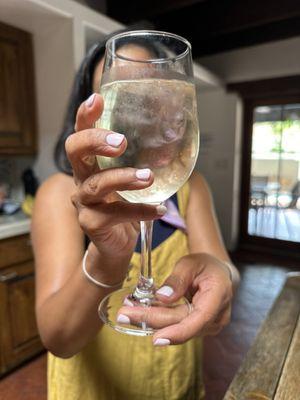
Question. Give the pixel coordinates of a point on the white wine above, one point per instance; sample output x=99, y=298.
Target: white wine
x=159, y=119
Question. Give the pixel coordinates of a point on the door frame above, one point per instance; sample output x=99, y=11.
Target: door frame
x=257, y=93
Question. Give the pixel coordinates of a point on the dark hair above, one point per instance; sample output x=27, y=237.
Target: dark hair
x=81, y=90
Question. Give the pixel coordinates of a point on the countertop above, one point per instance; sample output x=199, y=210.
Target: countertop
x=14, y=225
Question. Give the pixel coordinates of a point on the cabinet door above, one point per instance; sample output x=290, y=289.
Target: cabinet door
x=15, y=250
x=17, y=92
x=19, y=334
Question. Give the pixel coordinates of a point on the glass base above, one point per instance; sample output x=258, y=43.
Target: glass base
x=110, y=305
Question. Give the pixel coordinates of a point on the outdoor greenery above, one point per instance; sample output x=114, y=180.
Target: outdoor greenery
x=277, y=137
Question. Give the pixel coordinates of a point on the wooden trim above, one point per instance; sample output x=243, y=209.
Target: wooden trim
x=263, y=92
x=265, y=88
x=25, y=140
x=246, y=169
x=28, y=76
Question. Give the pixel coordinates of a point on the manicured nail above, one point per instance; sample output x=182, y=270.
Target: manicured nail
x=123, y=319
x=90, y=100
x=162, y=342
x=165, y=291
x=161, y=210
x=143, y=174
x=128, y=303
x=114, y=139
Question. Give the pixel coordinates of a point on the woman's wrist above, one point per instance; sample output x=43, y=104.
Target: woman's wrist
x=227, y=266
x=103, y=269
x=233, y=272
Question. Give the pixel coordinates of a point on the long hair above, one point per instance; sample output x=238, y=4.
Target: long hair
x=82, y=89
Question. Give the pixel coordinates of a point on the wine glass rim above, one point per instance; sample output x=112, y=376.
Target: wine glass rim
x=151, y=32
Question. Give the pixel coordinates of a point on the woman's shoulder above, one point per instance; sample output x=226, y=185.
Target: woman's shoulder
x=59, y=179
x=56, y=189
x=56, y=182
x=197, y=179
x=199, y=191
x=198, y=185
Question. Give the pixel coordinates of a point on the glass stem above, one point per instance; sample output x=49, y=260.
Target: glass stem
x=144, y=291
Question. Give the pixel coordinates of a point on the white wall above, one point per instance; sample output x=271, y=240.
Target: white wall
x=219, y=154
x=280, y=58
x=51, y=102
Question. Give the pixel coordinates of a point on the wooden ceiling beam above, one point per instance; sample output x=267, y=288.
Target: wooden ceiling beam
x=215, y=25
x=141, y=9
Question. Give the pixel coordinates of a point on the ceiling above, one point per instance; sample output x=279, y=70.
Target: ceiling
x=212, y=26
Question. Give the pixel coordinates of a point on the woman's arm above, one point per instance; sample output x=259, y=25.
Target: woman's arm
x=66, y=302
x=203, y=229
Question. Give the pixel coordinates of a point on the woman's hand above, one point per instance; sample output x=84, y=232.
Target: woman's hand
x=111, y=223
x=205, y=281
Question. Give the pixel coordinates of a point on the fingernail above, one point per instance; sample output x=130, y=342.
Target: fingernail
x=143, y=174
x=161, y=210
x=123, y=319
x=165, y=291
x=114, y=139
x=162, y=342
x=90, y=100
x=128, y=303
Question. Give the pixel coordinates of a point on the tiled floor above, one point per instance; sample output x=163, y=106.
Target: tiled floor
x=27, y=382
x=223, y=354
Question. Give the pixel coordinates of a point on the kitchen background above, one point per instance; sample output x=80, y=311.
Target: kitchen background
x=62, y=31
x=38, y=74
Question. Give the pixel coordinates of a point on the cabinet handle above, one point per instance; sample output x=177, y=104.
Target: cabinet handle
x=8, y=277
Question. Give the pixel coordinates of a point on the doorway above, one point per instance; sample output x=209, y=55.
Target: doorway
x=274, y=192
x=269, y=220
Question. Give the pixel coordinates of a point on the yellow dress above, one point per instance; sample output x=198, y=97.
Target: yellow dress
x=115, y=366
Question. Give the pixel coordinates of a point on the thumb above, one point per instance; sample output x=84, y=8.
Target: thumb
x=179, y=282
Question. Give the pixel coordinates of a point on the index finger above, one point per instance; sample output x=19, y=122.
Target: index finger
x=82, y=147
x=207, y=306
x=89, y=112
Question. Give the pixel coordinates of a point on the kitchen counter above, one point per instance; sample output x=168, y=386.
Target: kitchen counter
x=14, y=225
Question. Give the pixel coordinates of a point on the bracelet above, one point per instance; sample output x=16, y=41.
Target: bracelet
x=234, y=274
x=91, y=279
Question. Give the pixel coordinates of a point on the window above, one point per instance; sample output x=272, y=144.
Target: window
x=274, y=203
x=270, y=188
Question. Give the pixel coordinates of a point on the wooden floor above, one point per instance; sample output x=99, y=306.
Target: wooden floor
x=260, y=285
x=224, y=353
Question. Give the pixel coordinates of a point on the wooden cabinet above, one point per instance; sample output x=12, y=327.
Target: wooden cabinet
x=17, y=92
x=19, y=337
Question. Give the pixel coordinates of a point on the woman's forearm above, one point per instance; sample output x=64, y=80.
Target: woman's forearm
x=68, y=319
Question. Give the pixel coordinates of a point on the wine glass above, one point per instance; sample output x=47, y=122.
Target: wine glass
x=152, y=100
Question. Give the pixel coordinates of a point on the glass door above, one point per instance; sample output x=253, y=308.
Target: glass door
x=274, y=182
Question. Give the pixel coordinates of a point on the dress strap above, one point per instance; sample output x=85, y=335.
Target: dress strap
x=172, y=216
x=183, y=198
